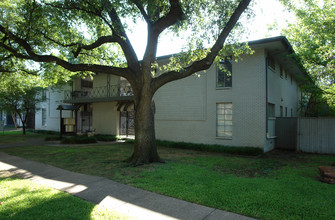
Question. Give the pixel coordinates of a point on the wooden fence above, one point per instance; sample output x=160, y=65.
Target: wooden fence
x=314, y=135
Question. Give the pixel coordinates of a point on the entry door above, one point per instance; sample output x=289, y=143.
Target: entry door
x=127, y=123
x=86, y=121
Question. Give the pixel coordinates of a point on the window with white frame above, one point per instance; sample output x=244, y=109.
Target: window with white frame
x=44, y=94
x=224, y=120
x=44, y=117
x=224, y=73
x=271, y=110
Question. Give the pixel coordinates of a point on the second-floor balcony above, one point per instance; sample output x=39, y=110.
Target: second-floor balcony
x=100, y=94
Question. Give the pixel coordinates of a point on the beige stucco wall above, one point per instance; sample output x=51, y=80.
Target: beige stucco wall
x=105, y=118
x=186, y=109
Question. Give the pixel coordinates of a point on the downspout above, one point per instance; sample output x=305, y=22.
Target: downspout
x=266, y=98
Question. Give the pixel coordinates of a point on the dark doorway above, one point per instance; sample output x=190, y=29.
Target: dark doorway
x=86, y=121
x=127, y=123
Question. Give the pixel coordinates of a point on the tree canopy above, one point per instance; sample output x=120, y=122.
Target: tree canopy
x=91, y=36
x=313, y=38
x=19, y=95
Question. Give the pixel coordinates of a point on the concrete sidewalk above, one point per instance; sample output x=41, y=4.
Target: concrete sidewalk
x=122, y=198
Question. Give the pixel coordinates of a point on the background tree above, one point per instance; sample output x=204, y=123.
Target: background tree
x=313, y=38
x=19, y=95
x=91, y=36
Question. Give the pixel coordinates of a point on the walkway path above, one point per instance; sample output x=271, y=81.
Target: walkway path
x=122, y=198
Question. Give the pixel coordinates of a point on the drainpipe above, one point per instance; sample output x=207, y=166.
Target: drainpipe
x=266, y=97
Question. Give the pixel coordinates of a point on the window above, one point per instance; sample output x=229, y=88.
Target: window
x=281, y=111
x=44, y=117
x=224, y=73
x=224, y=120
x=271, y=63
x=44, y=94
x=281, y=72
x=271, y=110
x=86, y=84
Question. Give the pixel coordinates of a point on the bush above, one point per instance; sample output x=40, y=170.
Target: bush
x=103, y=137
x=87, y=140
x=78, y=140
x=248, y=151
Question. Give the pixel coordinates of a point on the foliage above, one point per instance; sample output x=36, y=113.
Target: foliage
x=248, y=151
x=279, y=185
x=312, y=36
x=19, y=95
x=23, y=199
x=91, y=36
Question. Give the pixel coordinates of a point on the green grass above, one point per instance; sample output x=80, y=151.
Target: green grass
x=272, y=186
x=23, y=199
x=15, y=137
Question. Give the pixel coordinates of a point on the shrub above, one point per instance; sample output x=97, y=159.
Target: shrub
x=103, y=137
x=248, y=151
x=87, y=140
x=78, y=140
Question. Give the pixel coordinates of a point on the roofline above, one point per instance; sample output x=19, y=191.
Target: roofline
x=283, y=39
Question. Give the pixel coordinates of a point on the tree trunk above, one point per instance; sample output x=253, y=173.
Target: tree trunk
x=145, y=149
x=14, y=119
x=24, y=129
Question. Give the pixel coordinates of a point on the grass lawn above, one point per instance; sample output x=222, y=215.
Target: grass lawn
x=273, y=186
x=9, y=137
x=23, y=199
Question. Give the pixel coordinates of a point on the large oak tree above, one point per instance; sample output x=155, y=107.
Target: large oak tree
x=90, y=36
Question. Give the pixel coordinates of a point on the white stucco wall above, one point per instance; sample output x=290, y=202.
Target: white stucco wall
x=54, y=98
x=283, y=91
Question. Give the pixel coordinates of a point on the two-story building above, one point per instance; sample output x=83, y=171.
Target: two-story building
x=233, y=108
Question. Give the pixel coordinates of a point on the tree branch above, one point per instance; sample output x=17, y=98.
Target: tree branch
x=155, y=29
x=141, y=9
x=175, y=14
x=123, y=40
x=209, y=59
x=31, y=55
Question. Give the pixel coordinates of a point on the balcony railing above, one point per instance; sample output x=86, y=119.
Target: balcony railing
x=105, y=93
